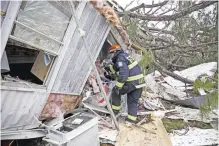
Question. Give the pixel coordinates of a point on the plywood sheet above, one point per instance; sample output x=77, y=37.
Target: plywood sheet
x=136, y=136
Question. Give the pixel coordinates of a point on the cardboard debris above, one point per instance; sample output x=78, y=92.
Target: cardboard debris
x=40, y=69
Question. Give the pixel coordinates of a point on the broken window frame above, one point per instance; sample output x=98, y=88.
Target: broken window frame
x=59, y=7
x=32, y=46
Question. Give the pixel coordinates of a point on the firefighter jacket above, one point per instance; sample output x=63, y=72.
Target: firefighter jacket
x=127, y=69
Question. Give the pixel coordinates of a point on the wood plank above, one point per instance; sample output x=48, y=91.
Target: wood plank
x=137, y=136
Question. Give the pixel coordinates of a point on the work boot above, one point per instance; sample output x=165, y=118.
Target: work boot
x=116, y=112
x=127, y=120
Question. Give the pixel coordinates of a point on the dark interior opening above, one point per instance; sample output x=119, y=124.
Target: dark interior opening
x=104, y=52
x=22, y=71
x=20, y=62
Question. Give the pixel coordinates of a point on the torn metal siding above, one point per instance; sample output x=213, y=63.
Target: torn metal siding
x=4, y=7
x=76, y=64
x=19, y=105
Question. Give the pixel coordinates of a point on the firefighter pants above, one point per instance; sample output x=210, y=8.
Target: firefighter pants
x=133, y=95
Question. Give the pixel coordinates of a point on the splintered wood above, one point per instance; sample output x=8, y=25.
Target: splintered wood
x=136, y=136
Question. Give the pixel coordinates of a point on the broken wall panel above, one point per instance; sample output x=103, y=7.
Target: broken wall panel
x=59, y=103
x=76, y=65
x=25, y=103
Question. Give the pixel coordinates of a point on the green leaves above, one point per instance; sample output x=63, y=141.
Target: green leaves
x=205, y=84
x=211, y=99
x=145, y=61
x=212, y=102
x=132, y=29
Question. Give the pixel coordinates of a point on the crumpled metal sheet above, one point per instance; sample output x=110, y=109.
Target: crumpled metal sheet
x=45, y=18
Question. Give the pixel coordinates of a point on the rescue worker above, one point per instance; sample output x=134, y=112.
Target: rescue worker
x=130, y=81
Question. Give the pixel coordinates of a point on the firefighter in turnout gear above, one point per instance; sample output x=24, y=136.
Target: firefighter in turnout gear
x=130, y=81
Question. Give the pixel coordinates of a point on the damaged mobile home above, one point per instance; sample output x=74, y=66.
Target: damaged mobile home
x=46, y=64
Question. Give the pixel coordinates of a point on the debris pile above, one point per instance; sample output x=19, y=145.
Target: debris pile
x=165, y=100
x=177, y=102
x=45, y=71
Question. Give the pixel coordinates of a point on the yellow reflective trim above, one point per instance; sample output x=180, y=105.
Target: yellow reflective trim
x=133, y=118
x=116, y=107
x=133, y=78
x=118, y=84
x=140, y=86
x=111, y=69
x=130, y=66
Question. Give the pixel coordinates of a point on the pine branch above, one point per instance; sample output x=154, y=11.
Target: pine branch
x=175, y=76
x=185, y=46
x=148, y=6
x=163, y=69
x=175, y=16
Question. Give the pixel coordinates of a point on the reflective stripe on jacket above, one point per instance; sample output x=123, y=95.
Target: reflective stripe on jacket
x=127, y=70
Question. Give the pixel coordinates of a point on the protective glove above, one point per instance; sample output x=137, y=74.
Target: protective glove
x=113, y=76
x=107, y=68
x=117, y=90
x=106, y=75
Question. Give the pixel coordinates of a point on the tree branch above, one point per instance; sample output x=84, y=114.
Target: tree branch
x=175, y=76
x=148, y=6
x=175, y=16
x=197, y=45
x=128, y=4
x=161, y=68
x=184, y=46
x=177, y=66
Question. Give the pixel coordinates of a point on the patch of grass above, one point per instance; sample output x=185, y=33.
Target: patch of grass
x=173, y=124
x=200, y=124
x=177, y=124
